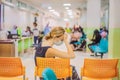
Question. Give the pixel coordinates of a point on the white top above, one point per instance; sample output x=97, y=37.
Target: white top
x=35, y=32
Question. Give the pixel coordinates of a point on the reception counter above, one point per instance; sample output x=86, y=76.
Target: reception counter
x=7, y=48
x=15, y=47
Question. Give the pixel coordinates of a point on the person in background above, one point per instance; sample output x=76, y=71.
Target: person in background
x=41, y=35
x=104, y=32
x=28, y=31
x=47, y=29
x=9, y=36
x=14, y=30
x=95, y=39
x=35, y=33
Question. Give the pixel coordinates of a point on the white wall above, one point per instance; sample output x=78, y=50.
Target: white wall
x=14, y=16
x=93, y=13
x=114, y=13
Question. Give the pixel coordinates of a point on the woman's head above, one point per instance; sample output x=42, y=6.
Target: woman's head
x=56, y=33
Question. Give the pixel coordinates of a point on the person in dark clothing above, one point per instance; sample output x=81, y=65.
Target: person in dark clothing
x=95, y=39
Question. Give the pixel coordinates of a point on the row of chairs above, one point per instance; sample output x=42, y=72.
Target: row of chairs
x=93, y=69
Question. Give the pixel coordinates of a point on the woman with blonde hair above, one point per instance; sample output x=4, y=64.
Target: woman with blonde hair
x=56, y=37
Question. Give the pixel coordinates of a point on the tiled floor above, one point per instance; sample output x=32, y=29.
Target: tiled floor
x=28, y=61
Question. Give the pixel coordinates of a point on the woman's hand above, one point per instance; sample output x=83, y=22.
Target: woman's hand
x=65, y=37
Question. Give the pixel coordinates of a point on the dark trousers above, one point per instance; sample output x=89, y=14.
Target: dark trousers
x=35, y=39
x=91, y=45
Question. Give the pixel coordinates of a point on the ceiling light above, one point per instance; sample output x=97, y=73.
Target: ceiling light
x=66, y=19
x=52, y=10
x=66, y=4
x=56, y=13
x=70, y=13
x=66, y=7
x=71, y=16
x=69, y=10
x=10, y=4
x=49, y=7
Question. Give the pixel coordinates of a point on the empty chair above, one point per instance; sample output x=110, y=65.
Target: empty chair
x=99, y=69
x=48, y=74
x=101, y=48
x=61, y=67
x=11, y=69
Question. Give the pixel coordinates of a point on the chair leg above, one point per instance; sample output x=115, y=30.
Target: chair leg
x=81, y=77
x=101, y=55
x=35, y=78
x=23, y=77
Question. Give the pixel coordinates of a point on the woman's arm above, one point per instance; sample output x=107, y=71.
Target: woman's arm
x=57, y=53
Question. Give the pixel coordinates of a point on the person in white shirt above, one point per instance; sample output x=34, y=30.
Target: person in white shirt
x=35, y=33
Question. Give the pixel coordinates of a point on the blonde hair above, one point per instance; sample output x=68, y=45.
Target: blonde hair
x=55, y=32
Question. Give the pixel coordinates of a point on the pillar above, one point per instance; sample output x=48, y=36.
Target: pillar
x=114, y=30
x=93, y=15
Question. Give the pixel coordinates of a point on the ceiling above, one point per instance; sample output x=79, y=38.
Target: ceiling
x=77, y=6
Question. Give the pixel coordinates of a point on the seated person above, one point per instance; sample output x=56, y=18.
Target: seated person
x=56, y=37
x=95, y=40
x=78, y=41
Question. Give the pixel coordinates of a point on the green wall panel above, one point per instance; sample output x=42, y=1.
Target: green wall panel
x=114, y=44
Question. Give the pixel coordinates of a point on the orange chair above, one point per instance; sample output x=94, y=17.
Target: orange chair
x=99, y=69
x=11, y=69
x=61, y=67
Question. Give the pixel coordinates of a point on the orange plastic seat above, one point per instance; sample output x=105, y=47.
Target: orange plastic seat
x=11, y=68
x=99, y=69
x=61, y=67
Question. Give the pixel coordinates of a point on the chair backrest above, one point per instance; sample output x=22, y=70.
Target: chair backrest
x=10, y=67
x=100, y=68
x=48, y=74
x=61, y=67
x=104, y=44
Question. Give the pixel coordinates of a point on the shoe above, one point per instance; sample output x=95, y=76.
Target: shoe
x=92, y=55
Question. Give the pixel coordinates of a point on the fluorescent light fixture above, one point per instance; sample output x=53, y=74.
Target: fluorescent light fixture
x=52, y=10
x=49, y=7
x=71, y=16
x=66, y=19
x=67, y=4
x=70, y=13
x=56, y=13
x=22, y=8
x=66, y=7
x=10, y=4
x=69, y=10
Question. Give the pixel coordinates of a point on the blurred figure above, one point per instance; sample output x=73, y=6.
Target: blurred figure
x=95, y=39
x=104, y=33
x=68, y=30
x=78, y=37
x=47, y=29
x=9, y=36
x=14, y=30
x=28, y=31
x=41, y=35
x=35, y=33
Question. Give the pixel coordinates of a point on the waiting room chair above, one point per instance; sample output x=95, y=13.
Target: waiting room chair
x=101, y=48
x=99, y=69
x=48, y=74
x=11, y=69
x=61, y=67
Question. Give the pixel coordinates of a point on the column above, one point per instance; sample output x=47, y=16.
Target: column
x=0, y=16
x=93, y=15
x=114, y=29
